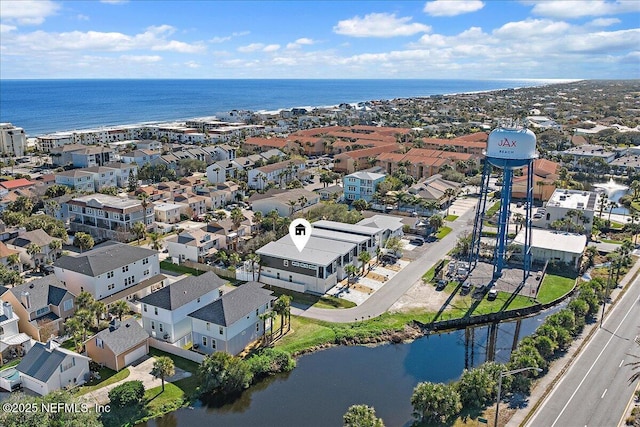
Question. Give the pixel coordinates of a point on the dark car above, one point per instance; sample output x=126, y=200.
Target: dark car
x=441, y=284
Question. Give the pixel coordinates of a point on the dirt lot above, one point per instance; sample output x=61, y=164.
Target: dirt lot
x=421, y=296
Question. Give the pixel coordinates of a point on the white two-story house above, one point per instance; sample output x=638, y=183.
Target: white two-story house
x=165, y=312
x=111, y=272
x=232, y=322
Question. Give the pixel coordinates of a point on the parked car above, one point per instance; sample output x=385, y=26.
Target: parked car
x=419, y=241
x=493, y=294
x=466, y=287
x=441, y=284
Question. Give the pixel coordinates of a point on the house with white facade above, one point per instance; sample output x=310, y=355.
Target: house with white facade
x=195, y=245
x=140, y=156
x=103, y=177
x=165, y=312
x=92, y=156
x=111, y=272
x=361, y=185
x=13, y=343
x=231, y=322
x=122, y=172
x=76, y=179
x=554, y=246
x=48, y=367
x=278, y=173
x=562, y=201
x=222, y=171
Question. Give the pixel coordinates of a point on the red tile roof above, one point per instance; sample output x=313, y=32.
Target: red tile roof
x=16, y=183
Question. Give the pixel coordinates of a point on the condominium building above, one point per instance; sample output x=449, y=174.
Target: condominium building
x=12, y=140
x=108, y=217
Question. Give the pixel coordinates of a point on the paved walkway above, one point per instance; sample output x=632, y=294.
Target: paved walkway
x=140, y=371
x=561, y=365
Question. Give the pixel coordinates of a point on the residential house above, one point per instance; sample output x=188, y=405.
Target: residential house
x=351, y=161
x=332, y=192
x=5, y=254
x=192, y=206
x=231, y=322
x=48, y=367
x=123, y=171
x=92, y=156
x=195, y=245
x=42, y=305
x=17, y=184
x=140, y=157
x=258, y=144
x=435, y=189
x=77, y=179
x=111, y=272
x=169, y=213
x=361, y=185
x=235, y=236
x=165, y=312
x=108, y=217
x=13, y=343
x=40, y=239
x=223, y=170
x=286, y=202
x=280, y=173
x=103, y=177
x=119, y=345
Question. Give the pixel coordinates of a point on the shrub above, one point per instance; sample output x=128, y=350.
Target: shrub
x=270, y=361
x=127, y=394
x=223, y=373
x=436, y=403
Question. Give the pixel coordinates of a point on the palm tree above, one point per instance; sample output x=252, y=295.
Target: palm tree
x=55, y=246
x=237, y=217
x=76, y=329
x=292, y=205
x=449, y=193
x=612, y=206
x=98, y=308
x=603, y=203
x=518, y=220
x=635, y=365
x=155, y=241
x=33, y=249
x=351, y=271
x=83, y=240
x=364, y=258
x=140, y=230
x=144, y=201
x=435, y=222
x=282, y=306
x=163, y=367
x=119, y=308
x=84, y=300
x=13, y=260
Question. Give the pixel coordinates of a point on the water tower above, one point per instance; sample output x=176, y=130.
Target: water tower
x=508, y=148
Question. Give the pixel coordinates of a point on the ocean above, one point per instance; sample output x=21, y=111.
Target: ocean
x=45, y=106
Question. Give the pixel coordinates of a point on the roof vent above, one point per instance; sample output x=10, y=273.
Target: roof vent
x=31, y=286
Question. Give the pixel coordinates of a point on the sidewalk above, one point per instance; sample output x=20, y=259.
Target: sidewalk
x=559, y=366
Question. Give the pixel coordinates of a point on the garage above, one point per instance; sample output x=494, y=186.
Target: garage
x=135, y=355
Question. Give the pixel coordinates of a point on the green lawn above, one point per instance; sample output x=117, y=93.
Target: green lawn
x=326, y=301
x=492, y=210
x=443, y=231
x=176, y=268
x=107, y=377
x=11, y=364
x=612, y=241
x=461, y=306
x=451, y=217
x=554, y=286
x=179, y=362
x=160, y=402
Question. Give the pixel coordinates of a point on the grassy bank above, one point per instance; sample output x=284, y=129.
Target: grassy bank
x=442, y=232
x=555, y=286
x=107, y=377
x=325, y=301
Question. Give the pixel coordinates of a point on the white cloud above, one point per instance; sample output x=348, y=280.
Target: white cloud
x=141, y=58
x=604, y=42
x=4, y=28
x=222, y=39
x=300, y=42
x=251, y=47
x=568, y=9
x=192, y=64
x=114, y=1
x=380, y=25
x=81, y=17
x=180, y=47
x=532, y=29
x=271, y=48
x=604, y=22
x=452, y=7
x=27, y=12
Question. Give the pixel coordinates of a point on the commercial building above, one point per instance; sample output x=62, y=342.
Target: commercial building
x=576, y=205
x=554, y=246
x=321, y=264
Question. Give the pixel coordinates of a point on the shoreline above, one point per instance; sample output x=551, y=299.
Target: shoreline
x=533, y=83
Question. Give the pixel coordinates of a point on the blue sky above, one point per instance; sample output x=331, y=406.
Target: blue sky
x=310, y=39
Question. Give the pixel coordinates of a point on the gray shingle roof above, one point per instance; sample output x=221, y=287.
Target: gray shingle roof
x=42, y=291
x=38, y=236
x=43, y=360
x=233, y=306
x=126, y=336
x=183, y=291
x=106, y=258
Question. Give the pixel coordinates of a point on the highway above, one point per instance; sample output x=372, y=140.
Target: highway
x=595, y=390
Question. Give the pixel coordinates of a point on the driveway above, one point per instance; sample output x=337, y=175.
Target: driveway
x=141, y=370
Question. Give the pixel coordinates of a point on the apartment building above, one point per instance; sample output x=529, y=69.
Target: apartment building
x=280, y=173
x=13, y=140
x=361, y=185
x=108, y=217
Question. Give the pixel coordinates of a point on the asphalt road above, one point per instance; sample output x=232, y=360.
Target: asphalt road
x=595, y=390
x=386, y=296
